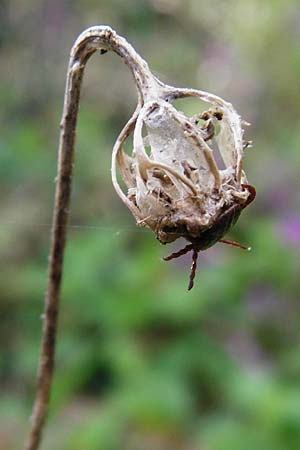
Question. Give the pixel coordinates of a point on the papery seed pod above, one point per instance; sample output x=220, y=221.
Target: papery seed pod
x=176, y=188
x=184, y=176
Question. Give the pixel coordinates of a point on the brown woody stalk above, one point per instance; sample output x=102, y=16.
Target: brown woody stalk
x=93, y=39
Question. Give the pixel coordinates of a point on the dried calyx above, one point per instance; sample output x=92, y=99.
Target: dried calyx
x=184, y=176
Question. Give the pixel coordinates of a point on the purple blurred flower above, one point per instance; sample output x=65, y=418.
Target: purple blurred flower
x=289, y=230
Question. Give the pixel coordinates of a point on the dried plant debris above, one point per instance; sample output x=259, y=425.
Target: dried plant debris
x=184, y=176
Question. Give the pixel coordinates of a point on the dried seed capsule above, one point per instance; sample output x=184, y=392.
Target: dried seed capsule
x=183, y=180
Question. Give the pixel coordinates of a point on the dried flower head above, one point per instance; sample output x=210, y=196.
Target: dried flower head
x=184, y=176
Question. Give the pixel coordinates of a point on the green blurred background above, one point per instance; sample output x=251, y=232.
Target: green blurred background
x=141, y=363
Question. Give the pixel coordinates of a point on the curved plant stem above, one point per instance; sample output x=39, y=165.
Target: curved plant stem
x=60, y=217
x=93, y=39
x=150, y=91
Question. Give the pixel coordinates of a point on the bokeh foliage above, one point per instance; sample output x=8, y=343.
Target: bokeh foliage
x=141, y=363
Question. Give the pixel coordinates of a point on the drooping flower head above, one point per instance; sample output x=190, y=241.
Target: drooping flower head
x=184, y=176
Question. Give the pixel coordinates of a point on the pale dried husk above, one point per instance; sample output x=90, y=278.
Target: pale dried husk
x=174, y=184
